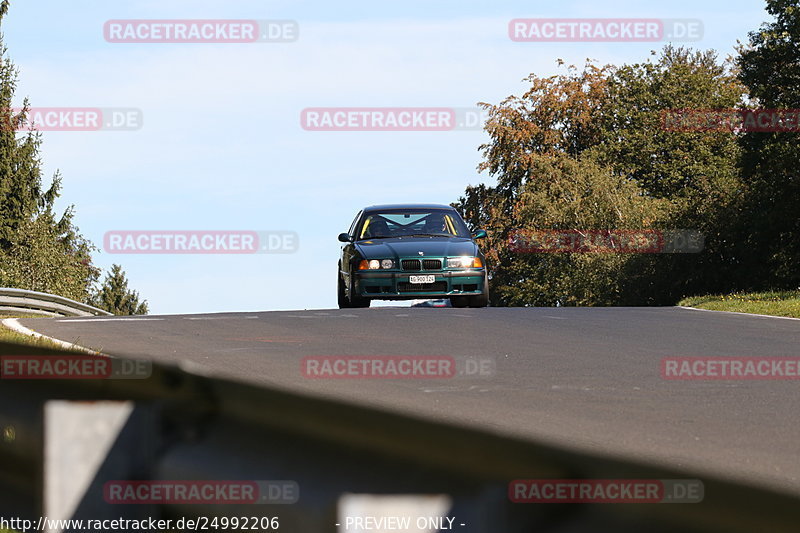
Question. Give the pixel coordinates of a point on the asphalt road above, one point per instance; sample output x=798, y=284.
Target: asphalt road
x=585, y=378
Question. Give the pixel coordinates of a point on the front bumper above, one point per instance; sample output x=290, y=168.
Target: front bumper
x=397, y=285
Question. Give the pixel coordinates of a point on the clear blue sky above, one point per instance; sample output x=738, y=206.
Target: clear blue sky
x=222, y=148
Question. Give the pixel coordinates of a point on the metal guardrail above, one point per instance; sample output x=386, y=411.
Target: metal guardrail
x=184, y=426
x=40, y=303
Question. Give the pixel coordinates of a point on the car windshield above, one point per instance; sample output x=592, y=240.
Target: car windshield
x=411, y=222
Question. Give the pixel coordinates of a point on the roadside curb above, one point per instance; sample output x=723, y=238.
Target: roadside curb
x=14, y=325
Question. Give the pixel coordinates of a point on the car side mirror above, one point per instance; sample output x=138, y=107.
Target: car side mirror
x=345, y=237
x=479, y=234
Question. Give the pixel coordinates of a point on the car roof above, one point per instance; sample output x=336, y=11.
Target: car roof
x=406, y=206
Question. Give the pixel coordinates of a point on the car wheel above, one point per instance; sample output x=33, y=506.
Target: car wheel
x=481, y=300
x=459, y=301
x=360, y=302
x=354, y=300
x=344, y=303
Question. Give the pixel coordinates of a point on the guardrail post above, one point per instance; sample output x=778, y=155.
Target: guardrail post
x=87, y=444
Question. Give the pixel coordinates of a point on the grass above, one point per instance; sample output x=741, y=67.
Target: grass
x=776, y=303
x=8, y=335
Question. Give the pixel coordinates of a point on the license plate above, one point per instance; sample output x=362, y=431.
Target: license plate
x=422, y=279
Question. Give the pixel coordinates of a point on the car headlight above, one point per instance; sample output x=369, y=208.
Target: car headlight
x=375, y=264
x=464, y=262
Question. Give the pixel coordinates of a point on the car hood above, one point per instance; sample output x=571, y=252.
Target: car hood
x=412, y=246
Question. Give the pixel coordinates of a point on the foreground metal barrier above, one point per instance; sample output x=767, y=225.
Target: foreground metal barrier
x=177, y=425
x=40, y=303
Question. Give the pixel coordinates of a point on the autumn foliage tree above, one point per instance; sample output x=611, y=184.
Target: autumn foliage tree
x=586, y=150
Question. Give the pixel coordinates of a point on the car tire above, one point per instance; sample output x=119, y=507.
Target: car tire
x=481, y=300
x=344, y=303
x=459, y=301
x=360, y=302
x=356, y=301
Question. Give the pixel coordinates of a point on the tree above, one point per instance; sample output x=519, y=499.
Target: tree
x=22, y=196
x=42, y=257
x=697, y=172
x=586, y=150
x=557, y=115
x=39, y=250
x=567, y=193
x=115, y=297
x=770, y=68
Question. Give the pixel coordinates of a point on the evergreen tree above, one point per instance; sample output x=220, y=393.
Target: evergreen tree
x=115, y=297
x=38, y=249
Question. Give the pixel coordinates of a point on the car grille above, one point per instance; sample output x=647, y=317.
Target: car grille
x=438, y=286
x=426, y=264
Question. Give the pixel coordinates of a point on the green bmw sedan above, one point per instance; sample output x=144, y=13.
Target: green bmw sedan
x=409, y=252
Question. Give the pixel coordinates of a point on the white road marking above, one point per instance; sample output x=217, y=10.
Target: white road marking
x=117, y=319
x=320, y=315
x=736, y=313
x=471, y=388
